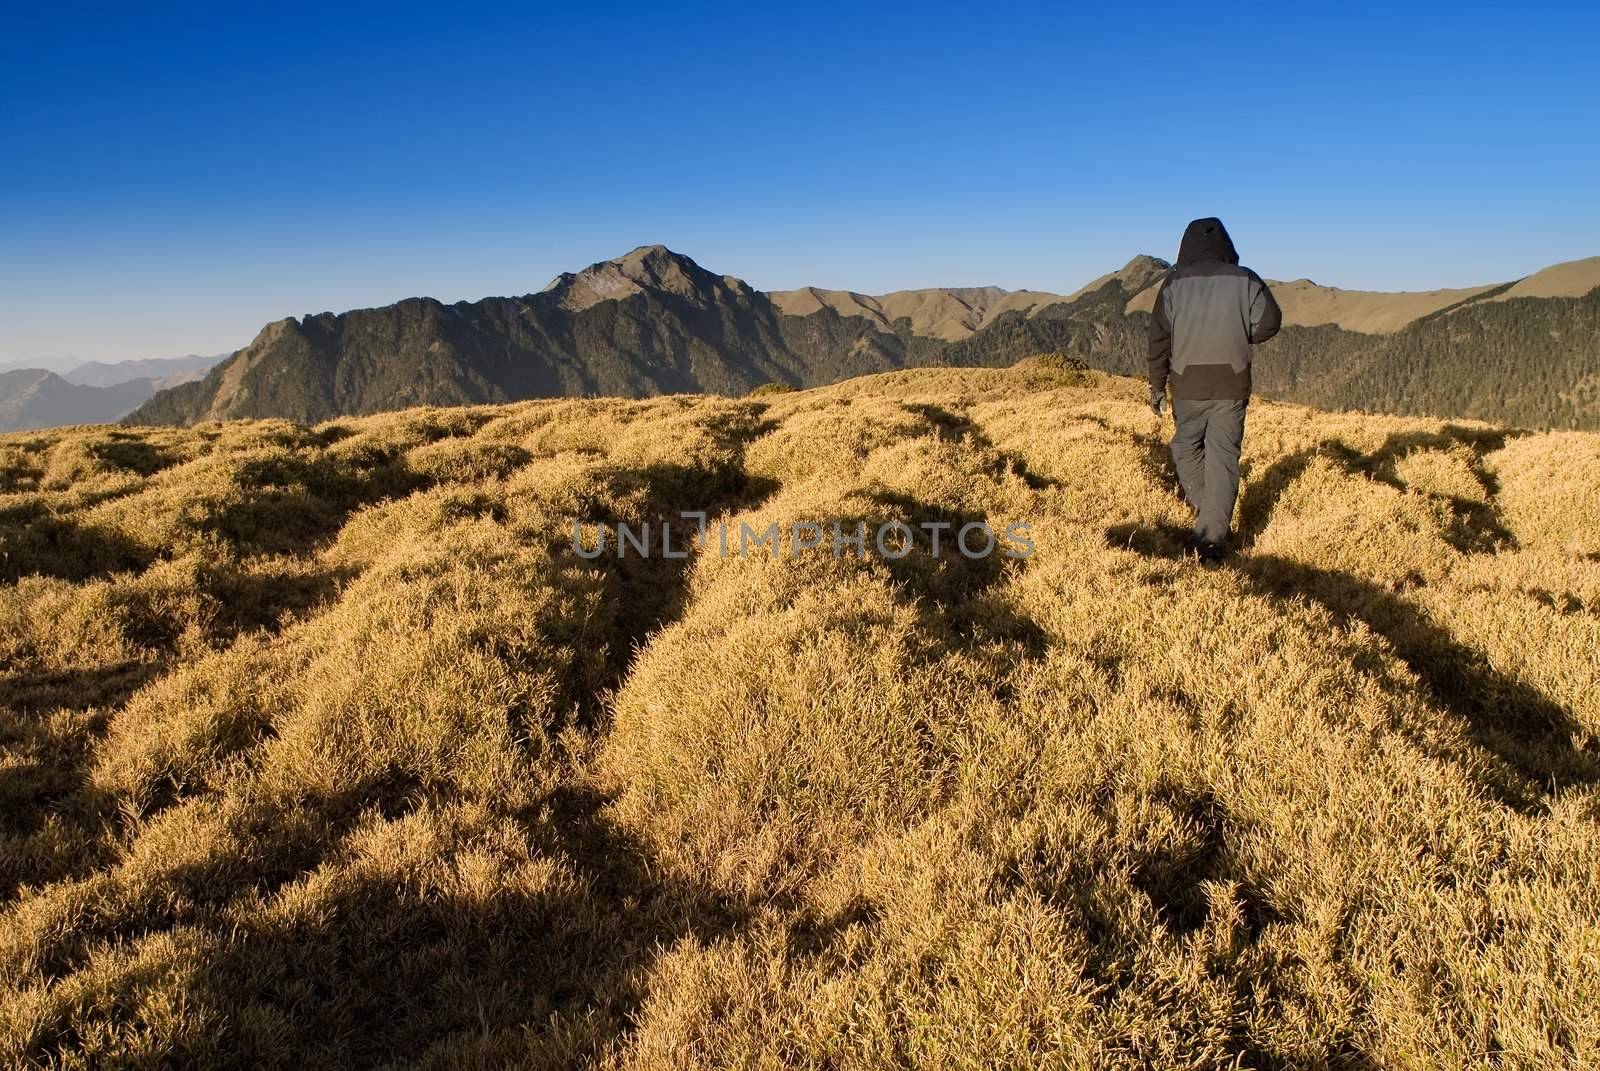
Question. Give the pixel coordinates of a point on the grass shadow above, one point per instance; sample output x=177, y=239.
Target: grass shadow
x=34, y=540
x=131, y=453
x=42, y=692
x=265, y=601
x=550, y=971
x=1167, y=541
x=957, y=594
x=51, y=819
x=951, y=426
x=648, y=589
x=1156, y=460
x=295, y=505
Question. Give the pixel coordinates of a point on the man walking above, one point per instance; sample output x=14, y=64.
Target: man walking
x=1208, y=313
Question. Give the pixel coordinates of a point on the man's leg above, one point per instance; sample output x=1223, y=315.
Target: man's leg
x=1224, y=437
x=1188, y=448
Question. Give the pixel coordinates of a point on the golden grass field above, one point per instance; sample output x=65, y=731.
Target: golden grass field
x=320, y=748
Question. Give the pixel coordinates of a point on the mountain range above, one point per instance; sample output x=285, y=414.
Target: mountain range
x=93, y=392
x=654, y=321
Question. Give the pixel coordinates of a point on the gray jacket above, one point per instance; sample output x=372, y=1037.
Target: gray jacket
x=1208, y=313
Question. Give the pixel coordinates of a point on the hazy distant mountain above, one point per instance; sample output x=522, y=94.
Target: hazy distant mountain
x=35, y=398
x=654, y=321
x=92, y=392
x=165, y=371
x=952, y=314
x=43, y=364
x=943, y=313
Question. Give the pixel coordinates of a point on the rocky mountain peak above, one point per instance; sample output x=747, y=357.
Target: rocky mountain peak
x=649, y=268
x=1140, y=272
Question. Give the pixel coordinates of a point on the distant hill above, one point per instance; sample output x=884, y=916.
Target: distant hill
x=165, y=371
x=1575, y=278
x=945, y=313
x=952, y=314
x=654, y=321
x=33, y=398
x=94, y=392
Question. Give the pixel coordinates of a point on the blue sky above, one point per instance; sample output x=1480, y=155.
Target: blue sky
x=173, y=180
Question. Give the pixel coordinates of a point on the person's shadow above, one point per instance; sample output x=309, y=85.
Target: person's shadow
x=1476, y=525
x=1526, y=728
x=1532, y=733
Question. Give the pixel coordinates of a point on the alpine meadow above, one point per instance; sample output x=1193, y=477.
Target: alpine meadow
x=322, y=747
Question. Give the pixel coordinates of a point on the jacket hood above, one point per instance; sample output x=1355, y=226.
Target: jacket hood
x=1206, y=239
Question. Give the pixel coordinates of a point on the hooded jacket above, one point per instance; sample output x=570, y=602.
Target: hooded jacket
x=1208, y=313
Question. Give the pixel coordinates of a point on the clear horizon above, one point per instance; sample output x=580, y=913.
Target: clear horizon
x=188, y=177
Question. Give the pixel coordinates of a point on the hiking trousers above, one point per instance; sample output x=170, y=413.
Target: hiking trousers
x=1205, y=451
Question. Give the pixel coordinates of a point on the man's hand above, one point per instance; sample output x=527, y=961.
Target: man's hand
x=1158, y=404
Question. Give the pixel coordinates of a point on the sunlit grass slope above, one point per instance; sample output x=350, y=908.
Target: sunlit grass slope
x=320, y=748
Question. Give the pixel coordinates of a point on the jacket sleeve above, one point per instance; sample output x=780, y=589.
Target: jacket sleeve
x=1265, y=316
x=1160, y=342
